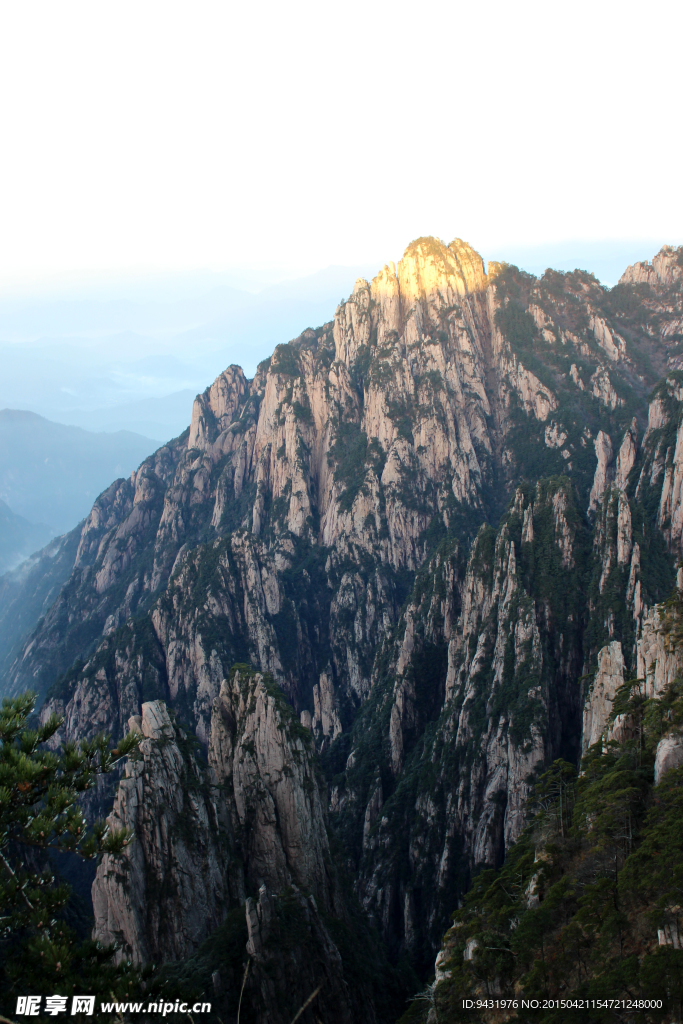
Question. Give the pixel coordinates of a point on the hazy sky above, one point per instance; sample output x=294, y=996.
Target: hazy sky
x=169, y=136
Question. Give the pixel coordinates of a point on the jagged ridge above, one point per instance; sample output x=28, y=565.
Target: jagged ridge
x=303, y=509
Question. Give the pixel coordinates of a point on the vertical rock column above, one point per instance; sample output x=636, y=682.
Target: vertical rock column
x=169, y=890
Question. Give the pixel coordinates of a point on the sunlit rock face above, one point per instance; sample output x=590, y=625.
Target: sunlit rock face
x=438, y=527
x=216, y=408
x=664, y=273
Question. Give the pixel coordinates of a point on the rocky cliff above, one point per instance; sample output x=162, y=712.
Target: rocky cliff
x=172, y=887
x=207, y=834
x=420, y=524
x=274, y=794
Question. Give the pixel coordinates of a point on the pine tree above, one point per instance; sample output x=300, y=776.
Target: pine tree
x=40, y=812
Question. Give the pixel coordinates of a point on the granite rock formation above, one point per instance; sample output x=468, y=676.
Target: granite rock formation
x=205, y=835
x=170, y=889
x=417, y=531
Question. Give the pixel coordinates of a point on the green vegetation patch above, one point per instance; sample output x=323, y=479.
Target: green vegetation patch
x=575, y=912
x=285, y=360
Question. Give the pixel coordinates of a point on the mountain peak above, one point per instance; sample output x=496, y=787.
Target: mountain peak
x=430, y=268
x=665, y=271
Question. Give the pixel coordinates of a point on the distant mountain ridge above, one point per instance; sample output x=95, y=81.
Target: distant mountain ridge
x=101, y=354
x=52, y=473
x=155, y=418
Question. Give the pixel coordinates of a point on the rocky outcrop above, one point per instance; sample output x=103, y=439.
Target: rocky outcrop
x=626, y=456
x=665, y=271
x=169, y=890
x=214, y=411
x=611, y=343
x=604, y=452
x=603, y=389
x=597, y=709
x=202, y=842
x=671, y=501
x=658, y=663
x=669, y=756
x=325, y=719
x=262, y=759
